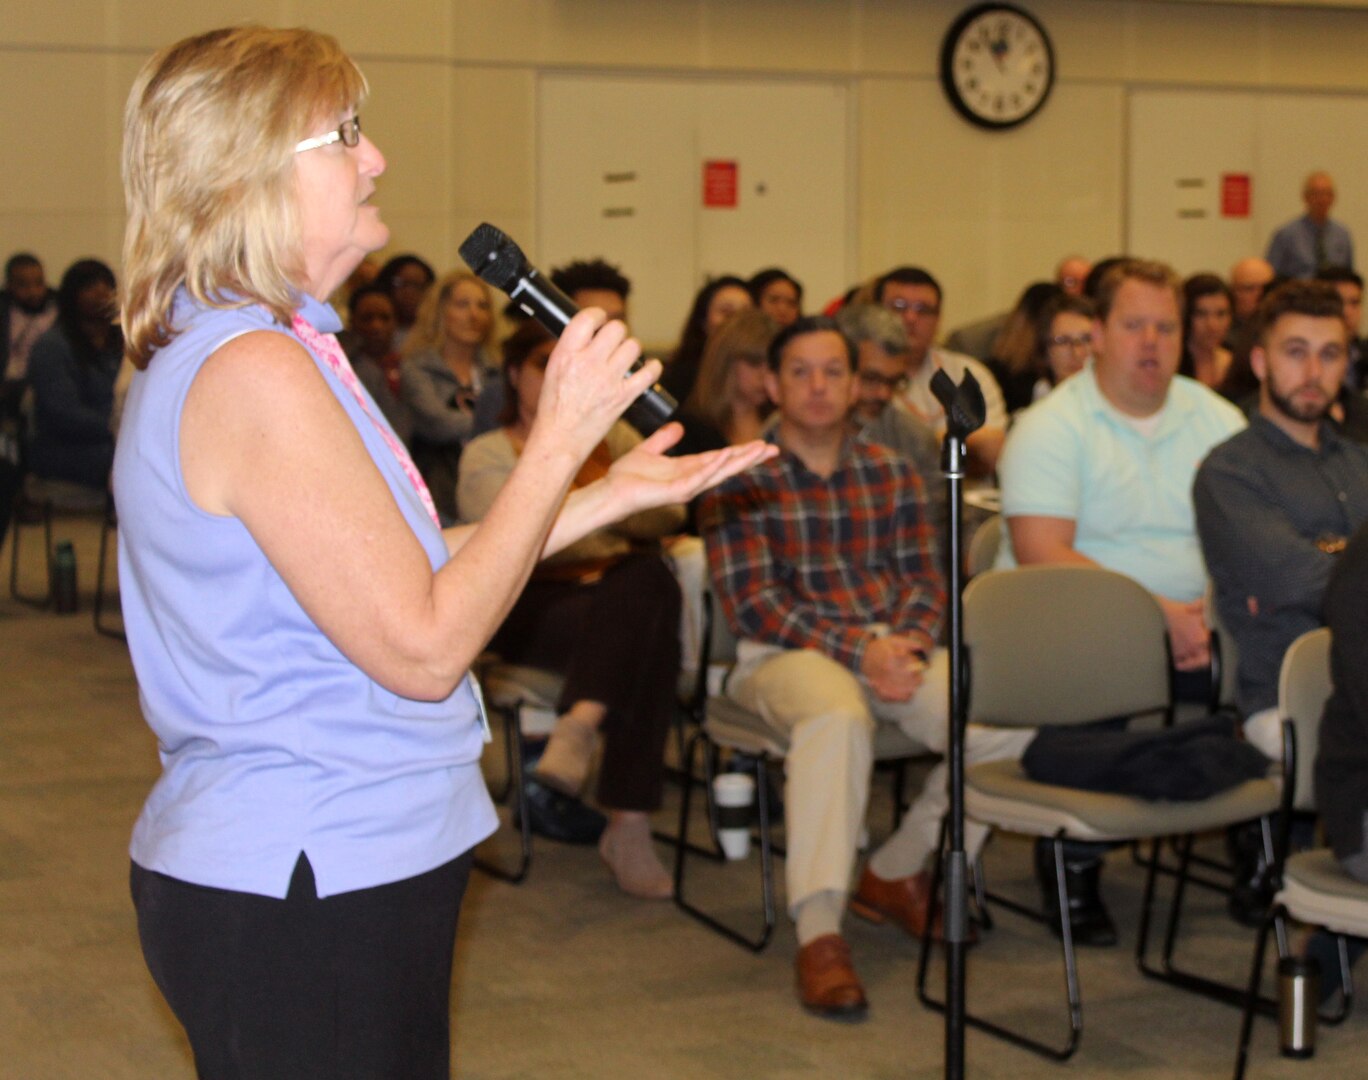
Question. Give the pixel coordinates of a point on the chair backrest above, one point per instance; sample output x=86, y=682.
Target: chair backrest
x=1304, y=685
x=1063, y=645
x=1224, y=653
x=984, y=547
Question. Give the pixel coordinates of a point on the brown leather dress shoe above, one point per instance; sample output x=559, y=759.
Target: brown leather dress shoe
x=827, y=984
x=904, y=900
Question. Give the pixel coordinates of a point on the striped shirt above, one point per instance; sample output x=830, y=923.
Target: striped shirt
x=809, y=562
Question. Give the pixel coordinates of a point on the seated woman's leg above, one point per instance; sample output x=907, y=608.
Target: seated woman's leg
x=628, y=660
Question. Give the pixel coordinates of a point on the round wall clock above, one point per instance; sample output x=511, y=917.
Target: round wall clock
x=997, y=65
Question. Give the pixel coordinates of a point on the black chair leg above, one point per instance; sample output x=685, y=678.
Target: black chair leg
x=39, y=600
x=107, y=526
x=755, y=943
x=1167, y=971
x=1071, y=985
x=514, y=792
x=1251, y=1001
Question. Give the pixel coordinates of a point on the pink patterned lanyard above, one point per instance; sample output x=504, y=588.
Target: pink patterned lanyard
x=326, y=346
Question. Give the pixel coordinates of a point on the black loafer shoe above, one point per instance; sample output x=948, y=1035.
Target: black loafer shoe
x=557, y=816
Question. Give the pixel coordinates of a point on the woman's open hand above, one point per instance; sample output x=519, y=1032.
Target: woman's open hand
x=644, y=477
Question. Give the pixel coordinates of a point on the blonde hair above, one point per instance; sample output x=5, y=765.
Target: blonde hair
x=746, y=334
x=429, y=326
x=208, y=166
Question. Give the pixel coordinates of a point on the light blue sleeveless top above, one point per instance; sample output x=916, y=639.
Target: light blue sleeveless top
x=272, y=742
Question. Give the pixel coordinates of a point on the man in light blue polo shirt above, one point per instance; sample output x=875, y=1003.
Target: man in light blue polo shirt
x=1100, y=472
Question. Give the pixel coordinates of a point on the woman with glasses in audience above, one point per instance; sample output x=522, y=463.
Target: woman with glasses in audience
x=714, y=304
x=1207, y=308
x=300, y=624
x=446, y=366
x=1064, y=343
x=605, y=612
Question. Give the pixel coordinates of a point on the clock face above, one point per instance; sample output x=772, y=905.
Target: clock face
x=997, y=65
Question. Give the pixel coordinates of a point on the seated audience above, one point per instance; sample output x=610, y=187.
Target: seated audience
x=1206, y=322
x=1100, y=472
x=729, y=403
x=605, y=612
x=1349, y=284
x=1276, y=503
x=1250, y=280
x=407, y=279
x=778, y=294
x=824, y=564
x=446, y=364
x=28, y=309
x=1064, y=341
x=883, y=357
x=1071, y=274
x=1014, y=358
x=370, y=348
x=715, y=303
x=72, y=368
x=915, y=297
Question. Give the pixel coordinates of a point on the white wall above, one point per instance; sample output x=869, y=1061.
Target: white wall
x=455, y=91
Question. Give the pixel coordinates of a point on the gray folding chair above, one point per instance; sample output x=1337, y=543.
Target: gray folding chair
x=508, y=690
x=725, y=725
x=1067, y=645
x=1314, y=889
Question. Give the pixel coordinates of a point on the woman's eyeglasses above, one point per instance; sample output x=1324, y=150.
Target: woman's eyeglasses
x=348, y=134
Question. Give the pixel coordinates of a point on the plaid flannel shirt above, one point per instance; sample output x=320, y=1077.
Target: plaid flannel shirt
x=807, y=562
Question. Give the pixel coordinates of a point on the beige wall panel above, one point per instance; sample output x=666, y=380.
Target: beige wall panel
x=147, y=25
x=493, y=154
x=66, y=137
x=409, y=117
x=779, y=35
x=1316, y=49
x=74, y=22
x=499, y=31
x=986, y=212
x=622, y=33
x=897, y=37
x=410, y=28
x=1088, y=38
x=1187, y=43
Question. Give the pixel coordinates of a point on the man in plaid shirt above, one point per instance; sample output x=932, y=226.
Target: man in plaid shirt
x=825, y=567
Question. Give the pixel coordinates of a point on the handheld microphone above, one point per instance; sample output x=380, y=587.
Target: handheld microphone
x=495, y=258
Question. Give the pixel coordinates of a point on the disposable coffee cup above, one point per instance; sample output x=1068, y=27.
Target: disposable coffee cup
x=734, y=796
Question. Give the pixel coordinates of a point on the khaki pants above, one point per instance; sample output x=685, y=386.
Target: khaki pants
x=829, y=714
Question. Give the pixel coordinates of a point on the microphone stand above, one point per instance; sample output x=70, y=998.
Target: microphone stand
x=964, y=414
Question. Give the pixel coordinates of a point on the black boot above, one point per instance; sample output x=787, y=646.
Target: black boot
x=1251, y=891
x=1088, y=918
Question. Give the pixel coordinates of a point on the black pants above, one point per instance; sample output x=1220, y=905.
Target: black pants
x=617, y=642
x=356, y=986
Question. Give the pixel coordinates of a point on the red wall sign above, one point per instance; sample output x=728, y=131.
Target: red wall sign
x=1235, y=196
x=719, y=184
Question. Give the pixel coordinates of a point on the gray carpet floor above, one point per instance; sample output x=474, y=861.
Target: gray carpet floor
x=562, y=976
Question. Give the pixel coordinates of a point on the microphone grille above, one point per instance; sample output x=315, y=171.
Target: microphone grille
x=493, y=256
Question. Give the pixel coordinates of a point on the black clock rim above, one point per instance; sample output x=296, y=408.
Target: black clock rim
x=947, y=79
